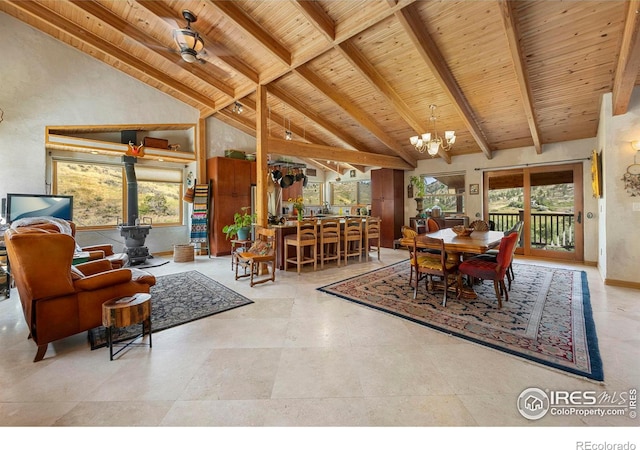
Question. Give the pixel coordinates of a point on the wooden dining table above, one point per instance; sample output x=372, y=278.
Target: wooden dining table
x=476, y=243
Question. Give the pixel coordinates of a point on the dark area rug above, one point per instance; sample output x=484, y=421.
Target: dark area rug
x=151, y=261
x=175, y=300
x=548, y=317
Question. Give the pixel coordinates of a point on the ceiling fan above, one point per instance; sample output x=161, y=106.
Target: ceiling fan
x=188, y=40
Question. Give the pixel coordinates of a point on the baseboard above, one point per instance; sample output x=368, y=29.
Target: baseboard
x=622, y=283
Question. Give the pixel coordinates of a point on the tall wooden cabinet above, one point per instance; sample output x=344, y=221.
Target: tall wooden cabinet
x=231, y=181
x=387, y=202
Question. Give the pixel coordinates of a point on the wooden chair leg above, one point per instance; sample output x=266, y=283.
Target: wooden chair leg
x=496, y=287
x=42, y=349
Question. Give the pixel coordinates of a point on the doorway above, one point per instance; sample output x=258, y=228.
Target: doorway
x=549, y=201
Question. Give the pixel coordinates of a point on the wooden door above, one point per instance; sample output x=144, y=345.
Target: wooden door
x=387, y=202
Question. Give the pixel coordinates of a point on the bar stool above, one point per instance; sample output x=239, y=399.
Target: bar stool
x=372, y=232
x=329, y=240
x=352, y=239
x=307, y=236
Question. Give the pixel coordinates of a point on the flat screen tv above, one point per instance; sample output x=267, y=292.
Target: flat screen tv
x=20, y=206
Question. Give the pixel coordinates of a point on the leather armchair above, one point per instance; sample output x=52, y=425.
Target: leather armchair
x=59, y=300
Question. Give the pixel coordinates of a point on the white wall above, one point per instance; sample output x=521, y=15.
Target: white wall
x=620, y=260
x=45, y=82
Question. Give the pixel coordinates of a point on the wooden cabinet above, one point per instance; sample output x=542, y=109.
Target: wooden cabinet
x=387, y=202
x=230, y=191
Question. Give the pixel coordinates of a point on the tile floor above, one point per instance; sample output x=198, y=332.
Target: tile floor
x=299, y=357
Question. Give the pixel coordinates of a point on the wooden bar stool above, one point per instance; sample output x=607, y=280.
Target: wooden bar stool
x=352, y=239
x=307, y=236
x=329, y=233
x=372, y=233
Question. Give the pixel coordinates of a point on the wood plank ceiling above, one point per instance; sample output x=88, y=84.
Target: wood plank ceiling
x=353, y=79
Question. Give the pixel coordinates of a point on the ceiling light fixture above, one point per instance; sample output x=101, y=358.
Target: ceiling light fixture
x=188, y=41
x=237, y=108
x=431, y=142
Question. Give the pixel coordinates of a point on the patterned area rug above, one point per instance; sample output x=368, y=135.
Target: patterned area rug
x=177, y=299
x=547, y=319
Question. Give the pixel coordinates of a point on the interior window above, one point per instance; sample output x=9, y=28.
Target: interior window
x=446, y=191
x=351, y=193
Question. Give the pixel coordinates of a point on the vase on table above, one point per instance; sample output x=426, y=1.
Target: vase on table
x=419, y=205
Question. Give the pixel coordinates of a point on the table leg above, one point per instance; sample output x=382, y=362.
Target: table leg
x=110, y=342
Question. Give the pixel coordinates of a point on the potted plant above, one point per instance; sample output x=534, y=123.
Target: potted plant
x=241, y=226
x=421, y=186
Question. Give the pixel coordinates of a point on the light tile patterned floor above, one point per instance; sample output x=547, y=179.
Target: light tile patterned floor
x=298, y=357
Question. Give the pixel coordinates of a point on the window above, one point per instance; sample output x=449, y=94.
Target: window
x=446, y=191
x=351, y=193
x=99, y=192
x=312, y=194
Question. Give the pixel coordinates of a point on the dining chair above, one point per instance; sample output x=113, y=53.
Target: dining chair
x=432, y=225
x=352, y=239
x=258, y=258
x=427, y=265
x=489, y=270
x=372, y=233
x=492, y=254
x=409, y=233
x=306, y=236
x=479, y=225
x=329, y=233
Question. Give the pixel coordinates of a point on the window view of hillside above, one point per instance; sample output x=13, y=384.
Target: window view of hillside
x=99, y=195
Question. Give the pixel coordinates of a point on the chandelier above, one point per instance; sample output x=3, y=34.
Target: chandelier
x=188, y=41
x=431, y=142
x=237, y=108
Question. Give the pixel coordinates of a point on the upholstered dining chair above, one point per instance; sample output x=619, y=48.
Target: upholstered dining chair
x=372, y=236
x=492, y=254
x=260, y=256
x=352, y=239
x=490, y=270
x=409, y=233
x=306, y=237
x=427, y=265
x=432, y=225
x=329, y=234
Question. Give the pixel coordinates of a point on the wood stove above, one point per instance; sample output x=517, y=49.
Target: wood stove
x=133, y=232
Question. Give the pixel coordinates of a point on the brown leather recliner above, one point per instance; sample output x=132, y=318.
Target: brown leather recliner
x=59, y=300
x=95, y=252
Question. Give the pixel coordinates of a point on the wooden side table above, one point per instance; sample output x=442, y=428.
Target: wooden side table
x=126, y=311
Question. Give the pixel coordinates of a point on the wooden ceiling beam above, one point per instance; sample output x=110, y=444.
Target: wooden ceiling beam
x=213, y=48
x=65, y=25
x=511, y=30
x=409, y=19
x=360, y=116
x=318, y=17
x=349, y=51
x=628, y=60
x=253, y=29
x=103, y=14
x=315, y=151
x=321, y=122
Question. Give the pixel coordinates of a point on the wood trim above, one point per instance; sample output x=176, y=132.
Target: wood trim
x=628, y=61
x=622, y=283
x=511, y=30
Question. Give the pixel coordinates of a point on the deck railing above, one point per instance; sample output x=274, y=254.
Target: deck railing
x=554, y=231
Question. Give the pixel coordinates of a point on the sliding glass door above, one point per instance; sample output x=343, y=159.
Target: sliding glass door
x=549, y=201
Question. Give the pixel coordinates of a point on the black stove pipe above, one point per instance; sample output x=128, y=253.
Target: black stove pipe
x=132, y=189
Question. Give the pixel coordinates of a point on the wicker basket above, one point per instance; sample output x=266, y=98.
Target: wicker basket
x=183, y=253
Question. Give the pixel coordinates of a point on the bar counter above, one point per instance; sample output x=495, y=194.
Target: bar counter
x=291, y=227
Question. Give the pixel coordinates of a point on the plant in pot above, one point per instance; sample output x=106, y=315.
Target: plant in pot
x=241, y=226
x=421, y=186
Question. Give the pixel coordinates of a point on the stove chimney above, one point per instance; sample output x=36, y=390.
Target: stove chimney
x=134, y=234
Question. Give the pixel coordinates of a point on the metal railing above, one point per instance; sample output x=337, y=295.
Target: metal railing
x=550, y=230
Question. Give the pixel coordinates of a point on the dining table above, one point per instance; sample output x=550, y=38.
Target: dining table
x=476, y=243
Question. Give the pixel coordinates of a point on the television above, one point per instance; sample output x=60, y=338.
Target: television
x=20, y=206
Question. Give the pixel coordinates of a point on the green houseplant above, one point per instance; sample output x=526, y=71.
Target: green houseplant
x=241, y=225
